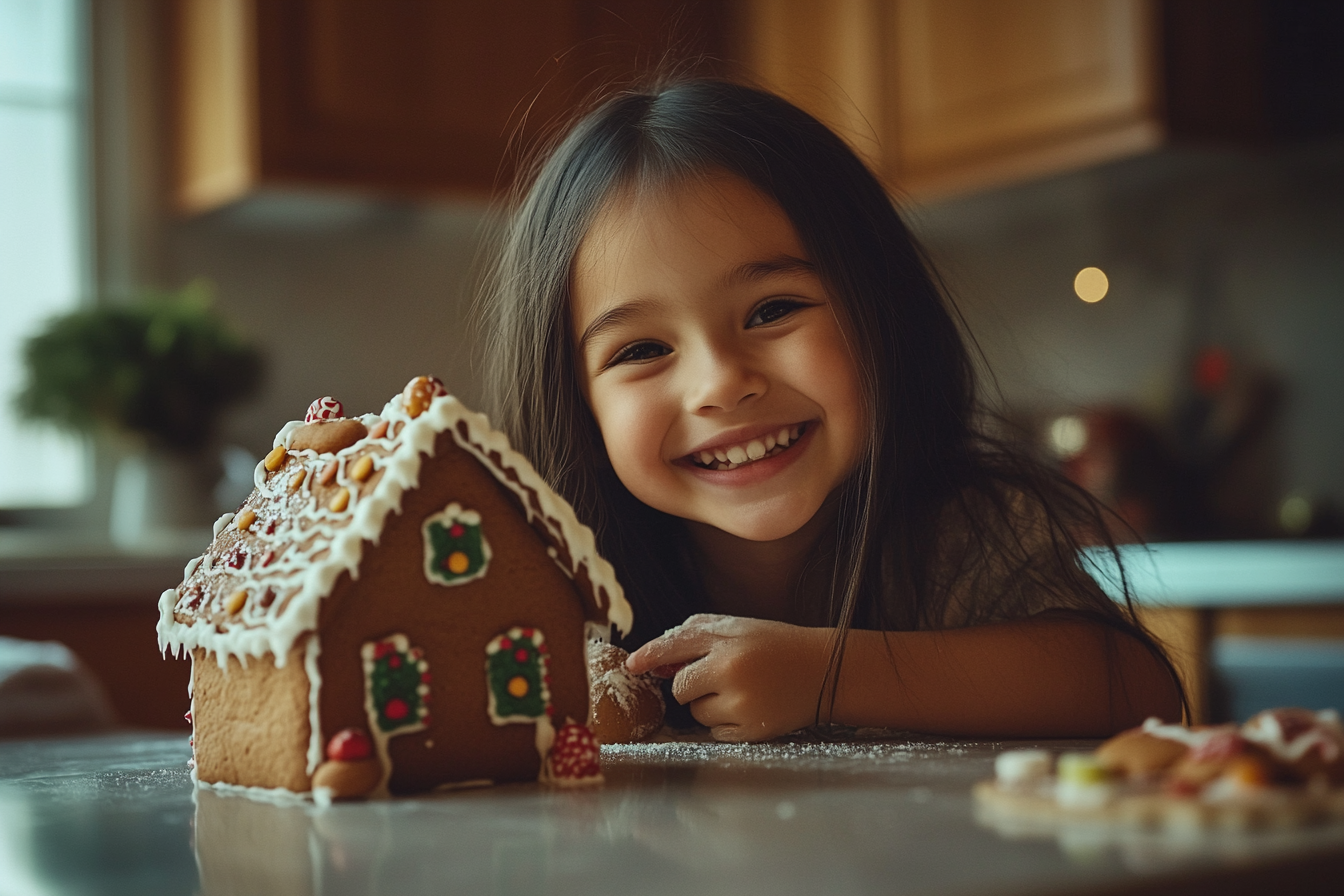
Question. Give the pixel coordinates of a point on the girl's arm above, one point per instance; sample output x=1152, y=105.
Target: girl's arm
x=1056, y=674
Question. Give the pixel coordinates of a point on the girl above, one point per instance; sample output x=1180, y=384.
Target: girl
x=712, y=333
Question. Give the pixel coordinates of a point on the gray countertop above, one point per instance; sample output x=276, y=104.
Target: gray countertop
x=119, y=814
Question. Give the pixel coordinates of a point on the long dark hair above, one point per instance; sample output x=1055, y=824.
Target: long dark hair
x=939, y=524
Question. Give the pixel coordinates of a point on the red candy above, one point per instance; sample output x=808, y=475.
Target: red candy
x=326, y=408
x=396, y=709
x=1220, y=747
x=349, y=745
x=575, y=754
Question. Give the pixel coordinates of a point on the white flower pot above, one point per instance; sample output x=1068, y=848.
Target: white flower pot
x=161, y=503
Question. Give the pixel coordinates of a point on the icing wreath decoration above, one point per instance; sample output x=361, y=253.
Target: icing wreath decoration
x=517, y=666
x=455, y=547
x=396, y=679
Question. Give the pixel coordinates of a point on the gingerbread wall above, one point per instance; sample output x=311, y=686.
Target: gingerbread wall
x=452, y=625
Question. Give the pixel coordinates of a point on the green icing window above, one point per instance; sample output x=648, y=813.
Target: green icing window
x=456, y=551
x=517, y=667
x=396, y=682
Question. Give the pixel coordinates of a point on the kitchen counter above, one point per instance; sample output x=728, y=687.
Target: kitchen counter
x=119, y=814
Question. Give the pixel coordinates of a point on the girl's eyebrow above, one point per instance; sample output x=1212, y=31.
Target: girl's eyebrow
x=613, y=317
x=759, y=270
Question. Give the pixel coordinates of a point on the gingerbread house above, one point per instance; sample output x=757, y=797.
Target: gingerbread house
x=401, y=605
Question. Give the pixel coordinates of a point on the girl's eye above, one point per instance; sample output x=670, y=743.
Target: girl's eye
x=775, y=309
x=639, y=351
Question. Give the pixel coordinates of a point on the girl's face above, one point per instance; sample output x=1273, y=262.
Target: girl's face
x=714, y=359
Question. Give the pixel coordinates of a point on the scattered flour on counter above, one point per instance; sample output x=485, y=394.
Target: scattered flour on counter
x=795, y=751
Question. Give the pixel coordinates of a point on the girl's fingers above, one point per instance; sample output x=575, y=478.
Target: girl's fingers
x=696, y=681
x=710, y=711
x=686, y=643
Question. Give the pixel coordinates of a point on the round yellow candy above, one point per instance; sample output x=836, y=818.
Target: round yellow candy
x=518, y=686
x=458, y=562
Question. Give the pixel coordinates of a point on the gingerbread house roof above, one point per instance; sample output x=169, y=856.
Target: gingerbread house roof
x=259, y=585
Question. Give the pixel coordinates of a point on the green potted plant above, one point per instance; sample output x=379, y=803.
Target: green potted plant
x=150, y=377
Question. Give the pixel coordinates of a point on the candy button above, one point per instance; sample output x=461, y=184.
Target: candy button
x=362, y=468
x=236, y=601
x=1020, y=766
x=458, y=563
x=518, y=686
x=275, y=459
x=1081, y=768
x=325, y=408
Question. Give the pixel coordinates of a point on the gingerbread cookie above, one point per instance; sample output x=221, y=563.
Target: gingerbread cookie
x=626, y=708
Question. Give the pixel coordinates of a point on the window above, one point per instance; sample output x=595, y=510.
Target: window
x=44, y=263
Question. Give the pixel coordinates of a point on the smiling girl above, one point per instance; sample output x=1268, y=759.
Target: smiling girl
x=712, y=333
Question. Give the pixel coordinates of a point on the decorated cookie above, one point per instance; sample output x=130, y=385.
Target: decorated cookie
x=626, y=708
x=1138, y=754
x=1279, y=769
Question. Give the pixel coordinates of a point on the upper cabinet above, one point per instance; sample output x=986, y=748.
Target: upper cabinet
x=942, y=96
x=411, y=96
x=946, y=96
x=949, y=95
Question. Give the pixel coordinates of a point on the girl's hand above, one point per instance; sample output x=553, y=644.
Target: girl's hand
x=745, y=679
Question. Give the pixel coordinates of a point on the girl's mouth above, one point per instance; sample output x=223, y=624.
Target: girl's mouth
x=731, y=457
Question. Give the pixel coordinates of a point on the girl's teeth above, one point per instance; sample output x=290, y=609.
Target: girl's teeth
x=783, y=437
x=793, y=434
x=755, y=450
x=737, y=455
x=706, y=458
x=720, y=456
x=770, y=443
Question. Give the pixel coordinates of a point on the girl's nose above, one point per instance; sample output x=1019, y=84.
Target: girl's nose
x=723, y=381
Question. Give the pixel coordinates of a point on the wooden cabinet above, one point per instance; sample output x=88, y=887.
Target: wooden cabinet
x=948, y=95
x=413, y=96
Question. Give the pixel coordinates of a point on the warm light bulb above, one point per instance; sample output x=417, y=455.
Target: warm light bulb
x=1068, y=436
x=1091, y=284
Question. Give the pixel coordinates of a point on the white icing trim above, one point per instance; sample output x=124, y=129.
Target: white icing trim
x=453, y=513
x=312, y=650
x=333, y=542
x=278, y=795
x=1192, y=738
x=221, y=524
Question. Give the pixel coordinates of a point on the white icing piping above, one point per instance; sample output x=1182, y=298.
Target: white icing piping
x=311, y=651
x=222, y=523
x=1266, y=730
x=1194, y=739
x=332, y=543
x=278, y=795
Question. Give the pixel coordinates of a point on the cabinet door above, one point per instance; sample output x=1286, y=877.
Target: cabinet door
x=949, y=95
x=416, y=96
x=984, y=90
